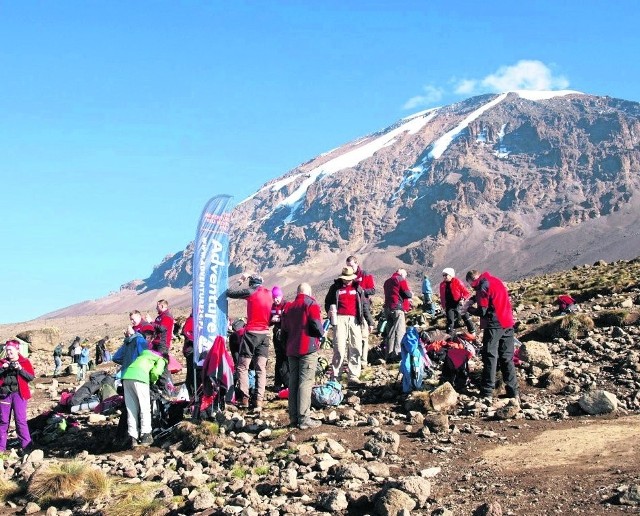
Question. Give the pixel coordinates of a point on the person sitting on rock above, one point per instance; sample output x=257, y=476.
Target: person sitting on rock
x=566, y=304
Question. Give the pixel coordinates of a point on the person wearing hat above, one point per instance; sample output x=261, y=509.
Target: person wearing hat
x=347, y=297
x=281, y=379
x=397, y=298
x=453, y=293
x=15, y=374
x=255, y=341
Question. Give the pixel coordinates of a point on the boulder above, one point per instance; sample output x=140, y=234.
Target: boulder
x=598, y=402
x=391, y=501
x=536, y=354
x=444, y=398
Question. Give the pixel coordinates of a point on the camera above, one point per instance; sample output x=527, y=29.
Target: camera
x=13, y=365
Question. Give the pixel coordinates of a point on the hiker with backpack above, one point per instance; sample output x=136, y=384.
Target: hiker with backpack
x=493, y=306
x=397, y=296
x=302, y=326
x=345, y=299
x=457, y=352
x=453, y=294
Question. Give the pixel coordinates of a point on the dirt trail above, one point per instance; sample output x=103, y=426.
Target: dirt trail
x=594, y=445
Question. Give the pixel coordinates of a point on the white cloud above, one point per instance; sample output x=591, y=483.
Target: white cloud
x=524, y=75
x=466, y=86
x=431, y=95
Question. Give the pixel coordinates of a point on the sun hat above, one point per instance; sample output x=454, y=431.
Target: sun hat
x=347, y=274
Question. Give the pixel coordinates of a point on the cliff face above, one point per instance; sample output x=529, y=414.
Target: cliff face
x=520, y=182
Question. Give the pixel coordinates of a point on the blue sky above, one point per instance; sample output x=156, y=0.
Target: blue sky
x=118, y=120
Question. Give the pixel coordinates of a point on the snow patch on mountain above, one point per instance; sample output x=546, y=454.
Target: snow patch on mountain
x=351, y=158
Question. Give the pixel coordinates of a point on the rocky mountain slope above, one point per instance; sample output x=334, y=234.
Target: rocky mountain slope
x=520, y=183
x=572, y=447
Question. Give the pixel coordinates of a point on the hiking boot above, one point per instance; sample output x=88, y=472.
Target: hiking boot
x=309, y=423
x=244, y=402
x=146, y=440
x=132, y=443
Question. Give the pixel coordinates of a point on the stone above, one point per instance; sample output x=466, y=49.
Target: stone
x=334, y=500
x=443, y=398
x=430, y=472
x=31, y=508
x=382, y=443
x=378, y=469
x=536, y=354
x=598, y=402
x=510, y=410
x=391, y=501
x=419, y=488
x=35, y=457
x=204, y=500
x=627, y=303
x=629, y=495
x=418, y=401
x=437, y=423
x=554, y=381
x=348, y=471
x=488, y=509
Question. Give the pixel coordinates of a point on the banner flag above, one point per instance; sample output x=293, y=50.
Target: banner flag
x=211, y=276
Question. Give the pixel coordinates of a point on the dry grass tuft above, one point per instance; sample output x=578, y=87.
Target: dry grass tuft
x=568, y=327
x=136, y=500
x=68, y=481
x=8, y=489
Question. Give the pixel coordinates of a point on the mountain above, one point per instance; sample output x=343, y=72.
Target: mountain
x=519, y=183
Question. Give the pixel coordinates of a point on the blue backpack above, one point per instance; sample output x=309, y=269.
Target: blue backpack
x=328, y=395
x=411, y=361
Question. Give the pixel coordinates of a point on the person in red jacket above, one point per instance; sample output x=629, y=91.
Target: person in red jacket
x=164, y=329
x=255, y=341
x=452, y=295
x=397, y=300
x=493, y=306
x=302, y=324
x=15, y=374
x=367, y=283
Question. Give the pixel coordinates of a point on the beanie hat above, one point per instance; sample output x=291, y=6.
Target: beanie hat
x=449, y=271
x=276, y=291
x=147, y=328
x=12, y=344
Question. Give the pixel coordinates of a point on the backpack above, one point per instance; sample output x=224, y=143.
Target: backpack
x=328, y=395
x=412, y=361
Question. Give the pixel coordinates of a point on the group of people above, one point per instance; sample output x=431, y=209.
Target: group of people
x=296, y=328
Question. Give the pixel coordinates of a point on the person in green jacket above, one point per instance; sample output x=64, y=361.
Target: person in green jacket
x=143, y=371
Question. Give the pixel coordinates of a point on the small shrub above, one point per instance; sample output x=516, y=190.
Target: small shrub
x=239, y=472
x=611, y=318
x=262, y=470
x=193, y=435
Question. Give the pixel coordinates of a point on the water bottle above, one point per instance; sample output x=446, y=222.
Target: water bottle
x=333, y=315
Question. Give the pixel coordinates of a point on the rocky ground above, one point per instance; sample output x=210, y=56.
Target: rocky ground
x=573, y=446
